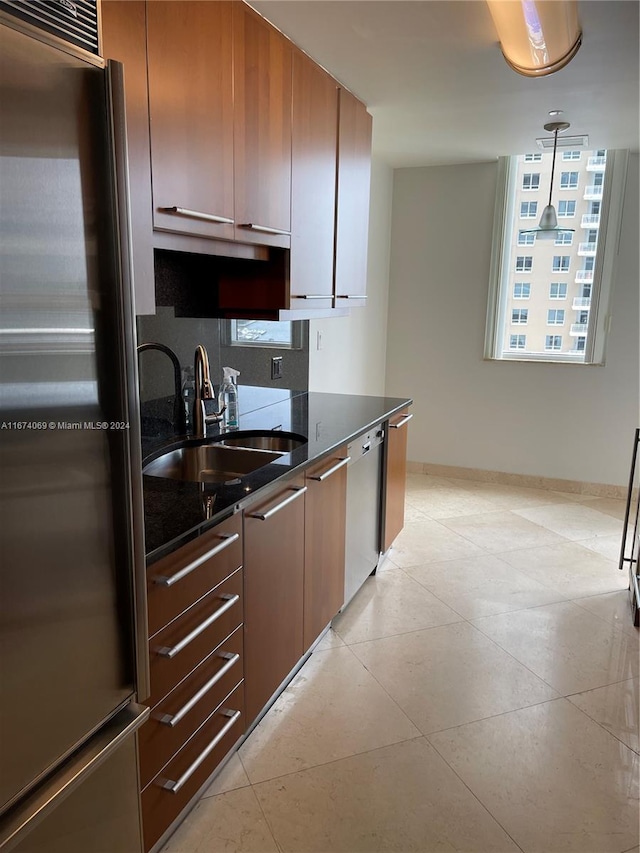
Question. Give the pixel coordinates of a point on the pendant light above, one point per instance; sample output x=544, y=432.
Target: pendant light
x=548, y=226
x=537, y=37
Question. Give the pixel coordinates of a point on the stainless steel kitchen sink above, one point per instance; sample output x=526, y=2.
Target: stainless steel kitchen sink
x=209, y=463
x=283, y=442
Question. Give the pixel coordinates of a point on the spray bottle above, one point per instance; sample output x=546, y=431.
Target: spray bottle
x=228, y=397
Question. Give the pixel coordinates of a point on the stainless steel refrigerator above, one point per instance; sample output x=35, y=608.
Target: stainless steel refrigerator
x=73, y=657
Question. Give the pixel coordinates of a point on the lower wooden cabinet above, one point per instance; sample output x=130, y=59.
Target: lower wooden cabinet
x=395, y=478
x=167, y=795
x=325, y=530
x=274, y=585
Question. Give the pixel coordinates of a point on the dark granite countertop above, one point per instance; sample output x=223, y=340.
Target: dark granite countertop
x=177, y=511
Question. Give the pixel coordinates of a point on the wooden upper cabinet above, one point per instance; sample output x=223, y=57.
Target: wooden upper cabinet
x=191, y=111
x=313, y=183
x=352, y=204
x=262, y=129
x=124, y=38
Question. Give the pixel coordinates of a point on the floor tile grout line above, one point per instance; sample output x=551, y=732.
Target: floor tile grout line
x=266, y=819
x=598, y=723
x=474, y=795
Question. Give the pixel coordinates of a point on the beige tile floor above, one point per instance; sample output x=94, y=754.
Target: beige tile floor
x=480, y=694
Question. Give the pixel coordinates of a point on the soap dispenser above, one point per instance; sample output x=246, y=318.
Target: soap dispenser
x=228, y=397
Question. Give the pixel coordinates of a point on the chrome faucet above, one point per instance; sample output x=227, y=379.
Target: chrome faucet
x=204, y=391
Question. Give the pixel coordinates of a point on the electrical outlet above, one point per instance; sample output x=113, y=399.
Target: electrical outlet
x=276, y=367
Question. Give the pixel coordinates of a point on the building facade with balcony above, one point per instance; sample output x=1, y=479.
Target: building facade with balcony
x=550, y=280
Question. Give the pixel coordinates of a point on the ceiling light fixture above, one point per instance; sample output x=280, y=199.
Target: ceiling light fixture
x=537, y=37
x=548, y=225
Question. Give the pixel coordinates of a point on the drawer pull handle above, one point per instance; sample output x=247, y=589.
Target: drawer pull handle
x=352, y=296
x=197, y=214
x=174, y=787
x=173, y=719
x=311, y=296
x=172, y=651
x=401, y=423
x=228, y=539
x=264, y=230
x=332, y=470
x=263, y=516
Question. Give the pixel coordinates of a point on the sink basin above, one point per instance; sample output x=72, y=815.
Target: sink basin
x=209, y=463
x=282, y=442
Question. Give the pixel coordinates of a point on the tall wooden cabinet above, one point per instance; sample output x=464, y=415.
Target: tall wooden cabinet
x=352, y=204
x=274, y=579
x=313, y=184
x=124, y=38
x=191, y=116
x=262, y=59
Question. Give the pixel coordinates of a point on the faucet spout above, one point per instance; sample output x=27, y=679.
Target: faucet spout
x=178, y=409
x=204, y=391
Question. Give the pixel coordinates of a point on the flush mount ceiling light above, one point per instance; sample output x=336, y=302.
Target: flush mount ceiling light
x=537, y=37
x=548, y=225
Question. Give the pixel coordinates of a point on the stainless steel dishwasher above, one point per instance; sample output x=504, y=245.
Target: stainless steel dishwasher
x=364, y=477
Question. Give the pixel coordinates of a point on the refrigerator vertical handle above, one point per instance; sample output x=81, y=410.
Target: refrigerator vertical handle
x=129, y=379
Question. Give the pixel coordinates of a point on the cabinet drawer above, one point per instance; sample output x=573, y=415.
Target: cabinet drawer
x=176, y=581
x=165, y=797
x=177, y=717
x=177, y=649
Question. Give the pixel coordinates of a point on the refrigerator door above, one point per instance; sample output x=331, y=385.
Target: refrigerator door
x=67, y=636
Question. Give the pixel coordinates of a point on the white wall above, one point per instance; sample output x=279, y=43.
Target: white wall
x=569, y=421
x=352, y=358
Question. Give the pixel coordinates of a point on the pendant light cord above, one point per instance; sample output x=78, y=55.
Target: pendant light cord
x=553, y=162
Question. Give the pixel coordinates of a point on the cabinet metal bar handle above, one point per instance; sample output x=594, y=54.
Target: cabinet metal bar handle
x=332, y=470
x=351, y=296
x=174, y=787
x=172, y=651
x=314, y=296
x=198, y=214
x=173, y=719
x=263, y=229
x=229, y=539
x=401, y=423
x=263, y=516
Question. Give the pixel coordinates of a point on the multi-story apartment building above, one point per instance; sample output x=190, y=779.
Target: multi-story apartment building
x=549, y=280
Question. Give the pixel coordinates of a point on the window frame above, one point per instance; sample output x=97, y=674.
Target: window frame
x=611, y=204
x=298, y=338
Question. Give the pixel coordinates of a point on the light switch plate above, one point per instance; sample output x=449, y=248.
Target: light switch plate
x=276, y=367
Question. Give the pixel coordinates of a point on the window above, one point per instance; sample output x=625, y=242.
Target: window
x=571, y=155
x=519, y=316
x=532, y=158
x=525, y=277
x=558, y=290
x=569, y=180
x=521, y=290
x=598, y=179
x=566, y=209
x=528, y=209
x=564, y=238
x=531, y=181
x=526, y=239
x=581, y=341
x=264, y=333
x=517, y=341
x=583, y=317
x=524, y=263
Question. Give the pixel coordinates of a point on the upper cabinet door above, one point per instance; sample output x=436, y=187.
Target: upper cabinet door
x=313, y=184
x=352, y=206
x=191, y=112
x=262, y=121
x=124, y=38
